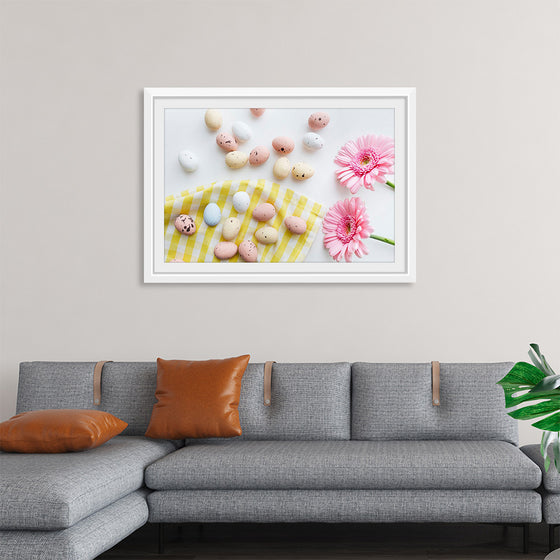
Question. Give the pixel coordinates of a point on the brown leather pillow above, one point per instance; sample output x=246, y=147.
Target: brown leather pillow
x=197, y=399
x=58, y=431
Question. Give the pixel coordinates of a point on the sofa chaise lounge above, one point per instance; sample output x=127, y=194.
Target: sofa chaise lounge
x=339, y=442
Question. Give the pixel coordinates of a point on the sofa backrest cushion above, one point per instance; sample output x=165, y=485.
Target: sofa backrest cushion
x=309, y=401
x=394, y=402
x=127, y=389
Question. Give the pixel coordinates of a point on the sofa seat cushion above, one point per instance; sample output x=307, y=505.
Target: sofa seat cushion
x=550, y=478
x=54, y=491
x=270, y=465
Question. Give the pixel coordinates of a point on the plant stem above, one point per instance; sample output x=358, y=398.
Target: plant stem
x=389, y=184
x=384, y=239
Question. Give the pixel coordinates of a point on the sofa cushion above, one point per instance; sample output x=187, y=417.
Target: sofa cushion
x=394, y=401
x=197, y=399
x=58, y=430
x=309, y=402
x=350, y=506
x=550, y=478
x=54, y=491
x=85, y=540
x=344, y=465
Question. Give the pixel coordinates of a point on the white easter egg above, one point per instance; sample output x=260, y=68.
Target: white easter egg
x=312, y=141
x=241, y=131
x=241, y=201
x=188, y=161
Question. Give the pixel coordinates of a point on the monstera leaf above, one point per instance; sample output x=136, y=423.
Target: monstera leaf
x=526, y=383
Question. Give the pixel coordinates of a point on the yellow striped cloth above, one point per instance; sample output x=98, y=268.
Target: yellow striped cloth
x=200, y=246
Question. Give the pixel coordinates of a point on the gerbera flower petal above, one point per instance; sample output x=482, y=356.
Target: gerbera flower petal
x=345, y=225
x=365, y=160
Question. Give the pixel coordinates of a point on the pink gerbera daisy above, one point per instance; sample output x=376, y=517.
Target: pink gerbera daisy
x=368, y=159
x=345, y=226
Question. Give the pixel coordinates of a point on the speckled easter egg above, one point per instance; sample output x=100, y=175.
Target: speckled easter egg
x=264, y=212
x=213, y=119
x=236, y=159
x=241, y=131
x=295, y=224
x=212, y=214
x=185, y=224
x=312, y=141
x=318, y=120
x=241, y=201
x=248, y=251
x=258, y=155
x=283, y=145
x=282, y=168
x=225, y=250
x=257, y=112
x=302, y=171
x=267, y=235
x=188, y=161
x=226, y=141
x=231, y=228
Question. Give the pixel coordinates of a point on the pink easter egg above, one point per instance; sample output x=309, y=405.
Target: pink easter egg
x=225, y=250
x=226, y=141
x=257, y=112
x=185, y=224
x=259, y=155
x=248, y=251
x=283, y=145
x=318, y=120
x=295, y=224
x=264, y=212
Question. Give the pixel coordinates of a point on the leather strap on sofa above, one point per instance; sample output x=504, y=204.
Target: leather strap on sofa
x=435, y=383
x=267, y=396
x=97, y=371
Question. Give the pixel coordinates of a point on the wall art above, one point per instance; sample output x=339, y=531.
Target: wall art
x=279, y=185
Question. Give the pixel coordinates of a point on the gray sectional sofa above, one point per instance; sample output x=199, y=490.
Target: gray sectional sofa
x=340, y=442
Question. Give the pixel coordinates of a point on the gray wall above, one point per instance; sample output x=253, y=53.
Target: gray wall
x=72, y=74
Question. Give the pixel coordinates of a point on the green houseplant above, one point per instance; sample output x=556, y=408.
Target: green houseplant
x=533, y=391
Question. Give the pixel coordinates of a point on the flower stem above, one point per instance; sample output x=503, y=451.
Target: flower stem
x=384, y=239
x=389, y=184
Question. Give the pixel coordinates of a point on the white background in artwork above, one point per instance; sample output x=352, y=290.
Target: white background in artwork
x=185, y=130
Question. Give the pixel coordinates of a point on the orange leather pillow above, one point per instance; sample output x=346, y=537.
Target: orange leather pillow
x=58, y=431
x=197, y=399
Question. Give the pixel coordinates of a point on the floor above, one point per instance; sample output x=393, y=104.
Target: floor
x=333, y=542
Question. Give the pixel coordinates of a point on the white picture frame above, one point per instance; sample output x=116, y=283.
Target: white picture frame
x=401, y=100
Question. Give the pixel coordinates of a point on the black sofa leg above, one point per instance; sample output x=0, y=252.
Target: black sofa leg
x=551, y=544
x=525, y=538
x=161, y=538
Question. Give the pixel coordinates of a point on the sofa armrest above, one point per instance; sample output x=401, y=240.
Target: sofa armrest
x=551, y=479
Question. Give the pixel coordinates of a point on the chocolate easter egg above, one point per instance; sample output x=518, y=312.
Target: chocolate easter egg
x=241, y=201
x=295, y=224
x=267, y=235
x=236, y=159
x=188, y=161
x=225, y=250
x=282, y=168
x=212, y=214
x=302, y=171
x=318, y=120
x=283, y=145
x=312, y=141
x=213, y=119
x=185, y=224
x=264, y=212
x=257, y=112
x=258, y=155
x=226, y=141
x=241, y=131
x=231, y=228
x=248, y=251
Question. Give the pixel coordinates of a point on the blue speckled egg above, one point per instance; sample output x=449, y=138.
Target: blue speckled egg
x=212, y=214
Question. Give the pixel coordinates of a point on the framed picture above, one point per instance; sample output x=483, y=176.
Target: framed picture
x=279, y=185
